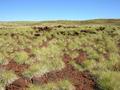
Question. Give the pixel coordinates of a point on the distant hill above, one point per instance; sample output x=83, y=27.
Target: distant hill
x=65, y=22
x=86, y=22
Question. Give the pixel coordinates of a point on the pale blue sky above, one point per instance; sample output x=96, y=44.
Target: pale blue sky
x=14, y=10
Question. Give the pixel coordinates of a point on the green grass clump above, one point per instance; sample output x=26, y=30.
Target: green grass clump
x=53, y=50
x=108, y=80
x=21, y=57
x=61, y=85
x=3, y=60
x=47, y=59
x=110, y=43
x=7, y=77
x=42, y=67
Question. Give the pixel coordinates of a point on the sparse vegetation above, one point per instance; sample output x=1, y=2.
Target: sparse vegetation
x=89, y=46
x=61, y=85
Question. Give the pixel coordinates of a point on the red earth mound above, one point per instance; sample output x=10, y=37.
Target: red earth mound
x=20, y=84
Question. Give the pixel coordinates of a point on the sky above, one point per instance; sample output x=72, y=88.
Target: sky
x=40, y=10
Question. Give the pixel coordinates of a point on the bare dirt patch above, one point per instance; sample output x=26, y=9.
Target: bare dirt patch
x=17, y=68
x=66, y=58
x=20, y=84
x=81, y=57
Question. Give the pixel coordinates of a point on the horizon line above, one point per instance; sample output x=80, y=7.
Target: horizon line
x=59, y=20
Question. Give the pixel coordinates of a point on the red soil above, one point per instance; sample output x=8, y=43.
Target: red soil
x=81, y=57
x=17, y=68
x=20, y=84
x=66, y=58
x=81, y=80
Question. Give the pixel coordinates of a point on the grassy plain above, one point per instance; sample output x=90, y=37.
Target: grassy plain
x=32, y=53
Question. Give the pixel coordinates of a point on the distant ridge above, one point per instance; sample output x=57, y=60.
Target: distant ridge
x=67, y=22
